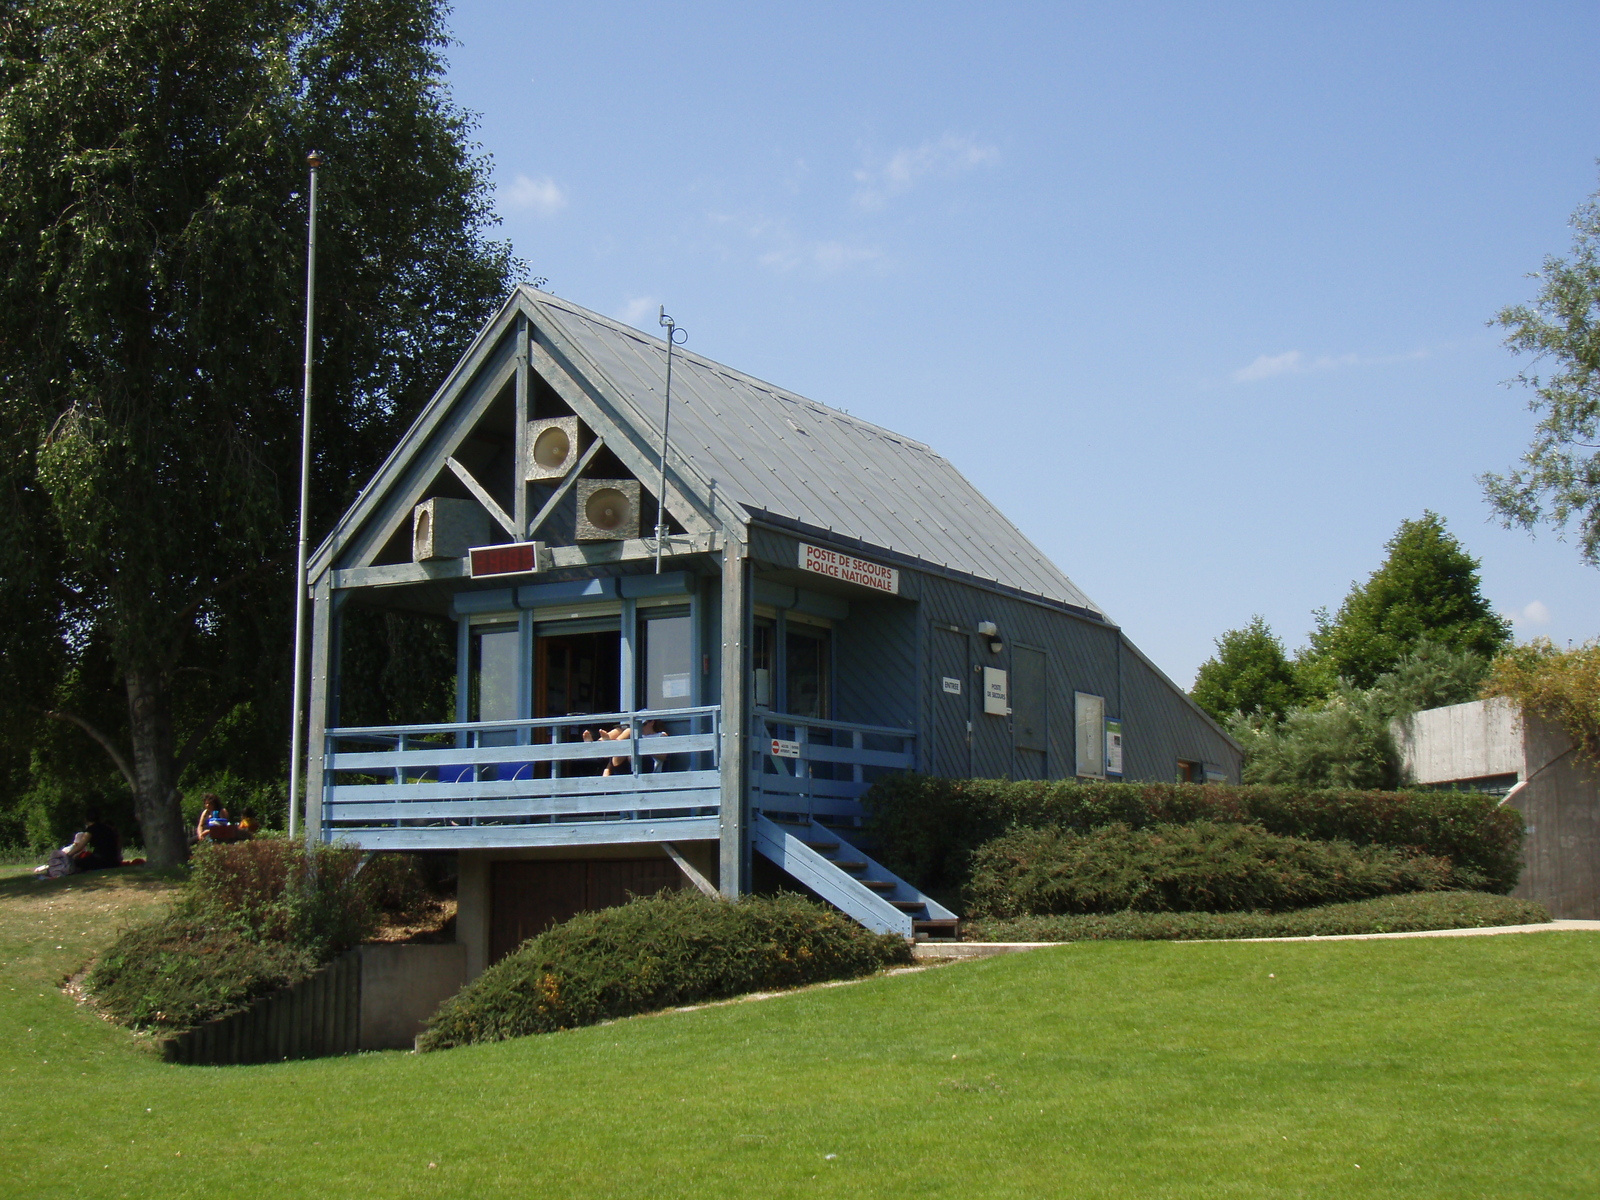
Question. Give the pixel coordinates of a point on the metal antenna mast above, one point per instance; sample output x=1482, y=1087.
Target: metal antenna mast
x=296, y=749
x=673, y=339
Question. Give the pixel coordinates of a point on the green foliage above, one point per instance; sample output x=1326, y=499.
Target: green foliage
x=1432, y=675
x=1426, y=588
x=1204, y=866
x=655, y=953
x=1414, y=912
x=152, y=206
x=1249, y=674
x=254, y=916
x=1559, y=479
x=1342, y=742
x=180, y=971
x=1562, y=686
x=927, y=829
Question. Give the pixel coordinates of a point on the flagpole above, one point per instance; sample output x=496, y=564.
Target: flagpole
x=296, y=742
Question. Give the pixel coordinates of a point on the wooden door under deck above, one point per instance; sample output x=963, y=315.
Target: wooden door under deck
x=528, y=897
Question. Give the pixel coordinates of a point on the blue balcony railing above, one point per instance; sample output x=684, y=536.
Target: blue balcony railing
x=810, y=768
x=524, y=783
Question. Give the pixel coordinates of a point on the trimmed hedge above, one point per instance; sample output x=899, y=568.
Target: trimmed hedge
x=1417, y=912
x=927, y=829
x=1205, y=866
x=653, y=953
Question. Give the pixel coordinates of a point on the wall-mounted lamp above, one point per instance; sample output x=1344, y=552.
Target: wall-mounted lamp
x=991, y=631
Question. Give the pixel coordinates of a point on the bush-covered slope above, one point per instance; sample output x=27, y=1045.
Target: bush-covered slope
x=655, y=953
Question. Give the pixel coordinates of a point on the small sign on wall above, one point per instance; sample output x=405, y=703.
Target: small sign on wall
x=995, y=701
x=783, y=749
x=1113, y=747
x=952, y=686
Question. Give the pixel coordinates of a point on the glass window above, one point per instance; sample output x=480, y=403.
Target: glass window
x=806, y=671
x=498, y=652
x=667, y=662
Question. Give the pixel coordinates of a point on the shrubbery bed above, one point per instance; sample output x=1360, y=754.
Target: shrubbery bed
x=254, y=917
x=928, y=829
x=1417, y=912
x=656, y=953
x=1205, y=866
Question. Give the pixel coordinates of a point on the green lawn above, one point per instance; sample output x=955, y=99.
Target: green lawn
x=1444, y=1068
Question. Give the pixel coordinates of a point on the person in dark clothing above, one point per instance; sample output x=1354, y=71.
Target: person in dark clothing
x=105, y=844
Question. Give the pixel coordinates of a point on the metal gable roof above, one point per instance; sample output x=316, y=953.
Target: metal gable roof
x=772, y=451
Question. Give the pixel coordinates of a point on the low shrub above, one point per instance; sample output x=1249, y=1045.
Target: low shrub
x=1417, y=912
x=180, y=971
x=1205, y=866
x=254, y=917
x=927, y=829
x=276, y=889
x=653, y=953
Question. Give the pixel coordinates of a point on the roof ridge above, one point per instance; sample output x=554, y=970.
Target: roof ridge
x=720, y=368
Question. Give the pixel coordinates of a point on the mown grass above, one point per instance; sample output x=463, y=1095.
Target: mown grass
x=1449, y=1067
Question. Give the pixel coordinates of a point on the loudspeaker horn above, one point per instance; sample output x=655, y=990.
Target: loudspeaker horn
x=552, y=448
x=608, y=509
x=443, y=527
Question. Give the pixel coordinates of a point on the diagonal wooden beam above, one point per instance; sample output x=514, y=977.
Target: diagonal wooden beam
x=483, y=497
x=567, y=480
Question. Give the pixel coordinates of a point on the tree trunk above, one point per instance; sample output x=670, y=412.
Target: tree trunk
x=155, y=795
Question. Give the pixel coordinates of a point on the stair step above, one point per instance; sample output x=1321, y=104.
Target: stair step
x=907, y=905
x=879, y=885
x=850, y=864
x=821, y=847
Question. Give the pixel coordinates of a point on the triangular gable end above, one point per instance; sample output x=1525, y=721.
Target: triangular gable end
x=481, y=382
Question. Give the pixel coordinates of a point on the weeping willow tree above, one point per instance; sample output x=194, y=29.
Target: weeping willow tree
x=152, y=173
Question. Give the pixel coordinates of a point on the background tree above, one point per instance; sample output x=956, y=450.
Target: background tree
x=1427, y=588
x=152, y=163
x=1559, y=479
x=1562, y=686
x=1249, y=674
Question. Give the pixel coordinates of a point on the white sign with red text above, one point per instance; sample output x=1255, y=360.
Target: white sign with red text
x=852, y=570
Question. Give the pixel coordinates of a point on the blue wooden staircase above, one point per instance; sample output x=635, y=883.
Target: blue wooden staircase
x=851, y=881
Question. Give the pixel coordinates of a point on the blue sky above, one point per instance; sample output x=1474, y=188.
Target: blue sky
x=1197, y=294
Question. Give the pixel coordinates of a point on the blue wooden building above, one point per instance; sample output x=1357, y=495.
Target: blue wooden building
x=831, y=602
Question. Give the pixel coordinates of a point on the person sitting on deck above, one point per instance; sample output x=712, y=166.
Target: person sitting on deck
x=620, y=765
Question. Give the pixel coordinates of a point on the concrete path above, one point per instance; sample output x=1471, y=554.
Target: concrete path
x=966, y=950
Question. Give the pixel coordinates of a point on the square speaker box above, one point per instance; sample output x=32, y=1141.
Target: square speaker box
x=552, y=448
x=442, y=527
x=608, y=509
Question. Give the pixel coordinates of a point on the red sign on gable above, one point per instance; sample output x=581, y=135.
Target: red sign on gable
x=517, y=558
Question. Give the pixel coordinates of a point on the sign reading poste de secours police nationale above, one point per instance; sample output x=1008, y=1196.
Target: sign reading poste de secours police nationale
x=852, y=570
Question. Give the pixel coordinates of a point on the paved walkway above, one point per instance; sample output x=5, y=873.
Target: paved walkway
x=965, y=950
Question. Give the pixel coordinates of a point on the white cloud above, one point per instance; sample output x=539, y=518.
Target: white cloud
x=785, y=251
x=636, y=311
x=945, y=157
x=1533, y=613
x=826, y=258
x=544, y=197
x=1294, y=362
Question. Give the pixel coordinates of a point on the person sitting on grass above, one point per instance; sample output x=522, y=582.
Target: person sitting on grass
x=249, y=823
x=214, y=825
x=68, y=860
x=105, y=844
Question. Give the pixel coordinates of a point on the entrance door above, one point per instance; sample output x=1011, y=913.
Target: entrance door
x=950, y=675
x=575, y=674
